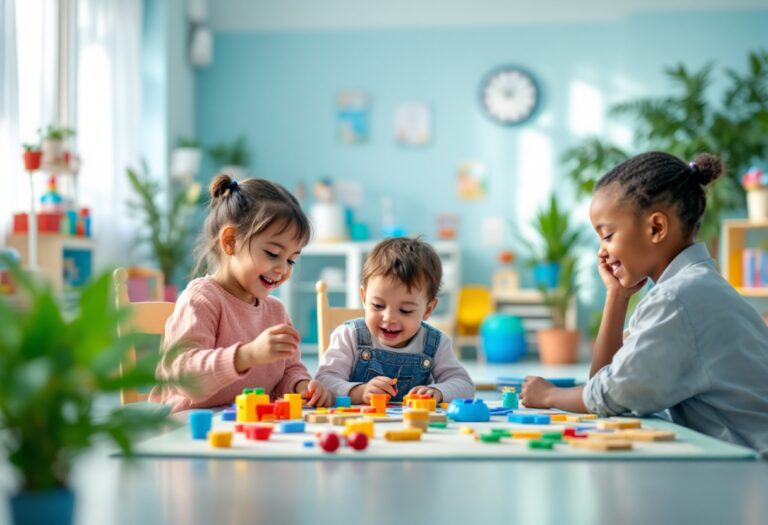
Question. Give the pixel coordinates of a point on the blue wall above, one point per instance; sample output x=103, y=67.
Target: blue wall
x=280, y=90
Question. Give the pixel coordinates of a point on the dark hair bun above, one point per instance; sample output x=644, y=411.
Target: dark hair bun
x=220, y=185
x=708, y=168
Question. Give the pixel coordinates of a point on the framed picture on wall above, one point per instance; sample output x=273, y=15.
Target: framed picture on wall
x=413, y=124
x=352, y=116
x=472, y=180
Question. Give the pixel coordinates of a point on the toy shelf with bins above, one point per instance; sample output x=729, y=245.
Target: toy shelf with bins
x=298, y=293
x=737, y=236
x=529, y=306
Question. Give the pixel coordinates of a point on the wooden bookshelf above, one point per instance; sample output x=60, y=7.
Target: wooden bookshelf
x=735, y=233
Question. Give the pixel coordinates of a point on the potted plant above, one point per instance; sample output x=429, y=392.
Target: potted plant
x=53, y=365
x=33, y=157
x=52, y=139
x=689, y=122
x=232, y=158
x=557, y=241
x=560, y=345
x=185, y=159
x=168, y=223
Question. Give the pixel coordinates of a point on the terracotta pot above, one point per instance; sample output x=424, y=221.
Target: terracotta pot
x=32, y=160
x=558, y=346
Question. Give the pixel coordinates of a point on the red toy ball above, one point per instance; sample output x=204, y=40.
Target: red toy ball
x=329, y=441
x=357, y=440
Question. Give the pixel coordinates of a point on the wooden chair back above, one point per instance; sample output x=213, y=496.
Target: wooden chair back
x=328, y=318
x=147, y=317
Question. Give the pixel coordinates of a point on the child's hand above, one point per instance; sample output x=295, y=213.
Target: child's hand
x=612, y=283
x=315, y=393
x=426, y=390
x=536, y=392
x=273, y=344
x=379, y=385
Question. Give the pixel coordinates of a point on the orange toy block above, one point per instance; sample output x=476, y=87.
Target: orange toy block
x=264, y=409
x=379, y=403
x=558, y=417
x=404, y=434
x=282, y=409
x=220, y=438
x=603, y=445
x=526, y=434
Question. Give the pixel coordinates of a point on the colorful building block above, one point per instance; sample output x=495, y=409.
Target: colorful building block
x=465, y=429
x=220, y=438
x=343, y=401
x=438, y=418
x=363, y=425
x=422, y=401
x=490, y=437
x=526, y=434
x=295, y=405
x=258, y=431
x=526, y=419
x=403, y=434
x=200, y=422
x=601, y=444
x=228, y=414
x=416, y=418
x=438, y=424
x=263, y=410
x=541, y=444
x=282, y=409
x=315, y=417
x=510, y=400
x=379, y=403
x=648, y=434
x=618, y=423
x=292, y=427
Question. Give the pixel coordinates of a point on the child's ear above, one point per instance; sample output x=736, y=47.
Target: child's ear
x=362, y=294
x=430, y=308
x=227, y=238
x=658, y=226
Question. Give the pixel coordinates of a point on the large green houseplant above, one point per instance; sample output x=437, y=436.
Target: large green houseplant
x=54, y=364
x=233, y=158
x=688, y=122
x=168, y=223
x=556, y=240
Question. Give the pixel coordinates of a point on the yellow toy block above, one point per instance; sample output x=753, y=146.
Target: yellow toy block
x=426, y=404
x=295, y=407
x=526, y=434
x=245, y=406
x=557, y=417
x=362, y=425
x=649, y=434
x=570, y=418
x=404, y=434
x=341, y=419
x=600, y=444
x=466, y=429
x=220, y=438
x=416, y=418
x=585, y=417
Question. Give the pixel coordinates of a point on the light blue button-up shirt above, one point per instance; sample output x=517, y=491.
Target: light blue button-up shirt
x=696, y=347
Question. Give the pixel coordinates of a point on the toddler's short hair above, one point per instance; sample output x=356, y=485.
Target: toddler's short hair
x=413, y=262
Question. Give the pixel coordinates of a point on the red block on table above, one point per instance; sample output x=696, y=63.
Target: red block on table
x=259, y=432
x=262, y=410
x=282, y=409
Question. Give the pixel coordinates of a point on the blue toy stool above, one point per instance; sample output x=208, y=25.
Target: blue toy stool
x=502, y=338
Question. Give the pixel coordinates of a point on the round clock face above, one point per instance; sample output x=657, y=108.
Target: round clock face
x=509, y=95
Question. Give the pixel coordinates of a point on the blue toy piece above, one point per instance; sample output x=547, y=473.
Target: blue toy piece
x=228, y=415
x=517, y=382
x=291, y=427
x=502, y=338
x=509, y=400
x=468, y=410
x=343, y=401
x=526, y=419
x=309, y=444
x=200, y=422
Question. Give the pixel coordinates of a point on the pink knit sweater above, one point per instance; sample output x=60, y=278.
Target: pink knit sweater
x=212, y=324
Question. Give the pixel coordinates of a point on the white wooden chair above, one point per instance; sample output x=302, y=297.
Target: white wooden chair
x=147, y=317
x=329, y=318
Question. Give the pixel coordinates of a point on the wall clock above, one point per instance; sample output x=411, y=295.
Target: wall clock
x=509, y=95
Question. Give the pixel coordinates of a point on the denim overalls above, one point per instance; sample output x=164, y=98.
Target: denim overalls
x=410, y=369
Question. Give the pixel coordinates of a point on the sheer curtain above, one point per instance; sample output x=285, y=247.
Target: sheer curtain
x=109, y=118
x=27, y=94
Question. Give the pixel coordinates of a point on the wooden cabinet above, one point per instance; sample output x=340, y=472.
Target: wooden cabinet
x=66, y=261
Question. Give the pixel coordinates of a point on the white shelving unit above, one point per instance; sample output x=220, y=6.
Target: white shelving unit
x=298, y=293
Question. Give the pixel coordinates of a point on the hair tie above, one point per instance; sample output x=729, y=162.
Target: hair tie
x=232, y=186
x=693, y=167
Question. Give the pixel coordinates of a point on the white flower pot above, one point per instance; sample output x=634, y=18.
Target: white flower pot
x=185, y=162
x=757, y=204
x=53, y=151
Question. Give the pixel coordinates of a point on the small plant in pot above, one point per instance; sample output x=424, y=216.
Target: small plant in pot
x=186, y=159
x=560, y=345
x=557, y=240
x=168, y=222
x=33, y=157
x=233, y=158
x=52, y=138
x=54, y=364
